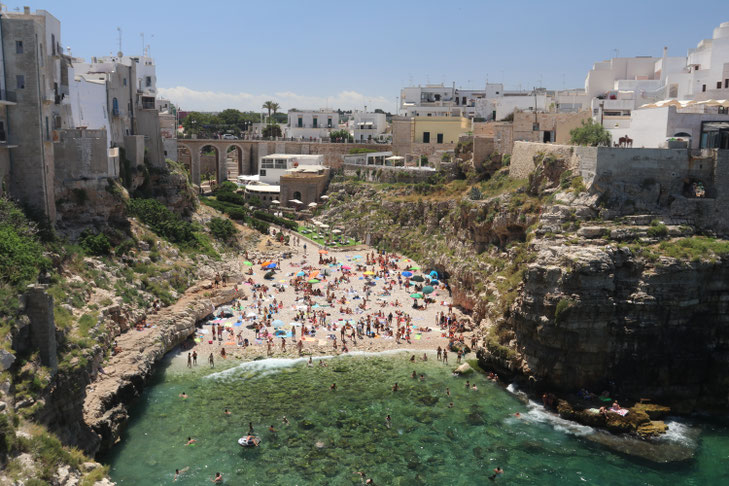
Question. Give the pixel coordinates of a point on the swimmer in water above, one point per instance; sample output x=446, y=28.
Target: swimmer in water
x=448, y=391
x=190, y=441
x=388, y=421
x=422, y=377
x=450, y=405
x=497, y=471
x=414, y=375
x=271, y=429
x=183, y=395
x=285, y=420
x=474, y=388
x=218, y=478
x=412, y=358
x=468, y=385
x=333, y=387
x=310, y=363
x=395, y=387
x=517, y=415
x=226, y=412
x=180, y=471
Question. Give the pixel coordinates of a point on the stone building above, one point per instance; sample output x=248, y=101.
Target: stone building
x=305, y=183
x=415, y=137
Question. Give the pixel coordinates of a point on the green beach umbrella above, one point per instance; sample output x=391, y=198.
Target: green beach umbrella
x=247, y=264
x=415, y=267
x=313, y=281
x=417, y=278
x=428, y=289
x=416, y=295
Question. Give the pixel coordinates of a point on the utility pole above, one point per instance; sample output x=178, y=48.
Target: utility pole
x=118, y=29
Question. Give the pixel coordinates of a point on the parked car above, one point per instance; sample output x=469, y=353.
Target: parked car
x=228, y=136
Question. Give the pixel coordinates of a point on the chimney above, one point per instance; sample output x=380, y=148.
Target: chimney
x=665, y=51
x=26, y=10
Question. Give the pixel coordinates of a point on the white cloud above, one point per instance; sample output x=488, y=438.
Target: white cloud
x=192, y=100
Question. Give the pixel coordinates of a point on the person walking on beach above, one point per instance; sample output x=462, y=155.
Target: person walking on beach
x=189, y=360
x=194, y=358
x=300, y=346
x=211, y=360
x=445, y=356
x=439, y=355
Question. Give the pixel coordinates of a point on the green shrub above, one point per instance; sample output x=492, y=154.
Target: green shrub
x=658, y=230
x=227, y=186
x=238, y=214
x=95, y=244
x=7, y=435
x=162, y=221
x=221, y=228
x=124, y=247
x=259, y=225
x=230, y=197
x=475, y=194
x=286, y=223
x=21, y=252
x=562, y=310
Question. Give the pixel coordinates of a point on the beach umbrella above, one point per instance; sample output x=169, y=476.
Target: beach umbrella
x=416, y=295
x=300, y=274
x=277, y=323
x=434, y=282
x=251, y=314
x=346, y=267
x=312, y=281
x=314, y=274
x=369, y=273
x=323, y=252
x=428, y=289
x=295, y=324
x=407, y=274
x=266, y=263
x=433, y=274
x=268, y=276
x=270, y=265
x=418, y=278
x=247, y=263
x=414, y=267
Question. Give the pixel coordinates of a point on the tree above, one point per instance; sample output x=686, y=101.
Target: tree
x=271, y=106
x=590, y=134
x=341, y=136
x=271, y=131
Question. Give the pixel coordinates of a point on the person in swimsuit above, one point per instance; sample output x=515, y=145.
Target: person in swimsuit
x=217, y=479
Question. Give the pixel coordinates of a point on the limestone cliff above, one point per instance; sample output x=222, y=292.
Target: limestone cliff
x=568, y=290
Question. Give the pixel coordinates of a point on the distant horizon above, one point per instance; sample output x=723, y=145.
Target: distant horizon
x=331, y=55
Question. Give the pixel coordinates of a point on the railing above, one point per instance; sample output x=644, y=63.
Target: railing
x=6, y=95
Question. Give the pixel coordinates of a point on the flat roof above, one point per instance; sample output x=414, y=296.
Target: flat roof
x=291, y=156
x=263, y=188
x=308, y=168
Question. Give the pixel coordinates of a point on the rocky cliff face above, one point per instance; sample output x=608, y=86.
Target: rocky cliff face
x=568, y=291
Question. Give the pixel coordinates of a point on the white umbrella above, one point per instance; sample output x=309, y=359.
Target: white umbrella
x=336, y=232
x=295, y=201
x=251, y=314
x=312, y=204
x=324, y=226
x=275, y=201
x=325, y=197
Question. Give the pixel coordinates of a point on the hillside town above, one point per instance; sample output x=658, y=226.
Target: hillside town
x=568, y=248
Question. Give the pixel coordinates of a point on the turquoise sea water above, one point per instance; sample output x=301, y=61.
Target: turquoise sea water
x=334, y=434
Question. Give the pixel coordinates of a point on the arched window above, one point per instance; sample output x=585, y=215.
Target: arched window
x=297, y=195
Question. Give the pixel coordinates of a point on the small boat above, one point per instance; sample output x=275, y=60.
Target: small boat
x=249, y=441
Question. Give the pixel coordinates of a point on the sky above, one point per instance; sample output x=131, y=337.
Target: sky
x=310, y=54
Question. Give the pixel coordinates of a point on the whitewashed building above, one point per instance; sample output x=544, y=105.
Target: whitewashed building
x=366, y=126
x=272, y=167
x=313, y=125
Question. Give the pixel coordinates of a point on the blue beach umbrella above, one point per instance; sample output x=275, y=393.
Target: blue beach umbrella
x=407, y=274
x=301, y=274
x=433, y=274
x=271, y=265
x=434, y=282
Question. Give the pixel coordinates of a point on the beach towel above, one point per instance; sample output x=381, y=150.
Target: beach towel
x=198, y=340
x=622, y=412
x=230, y=343
x=238, y=324
x=418, y=336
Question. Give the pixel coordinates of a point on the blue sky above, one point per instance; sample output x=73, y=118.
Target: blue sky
x=310, y=54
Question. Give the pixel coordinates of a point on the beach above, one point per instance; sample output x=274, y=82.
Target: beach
x=238, y=319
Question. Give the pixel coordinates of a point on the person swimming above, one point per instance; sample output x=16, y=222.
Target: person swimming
x=333, y=387
x=183, y=395
x=285, y=420
x=178, y=472
x=218, y=478
x=190, y=441
x=388, y=421
x=226, y=412
x=497, y=471
x=395, y=387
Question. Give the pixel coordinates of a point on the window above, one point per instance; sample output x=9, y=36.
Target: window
x=439, y=138
x=329, y=122
x=703, y=88
x=115, y=107
x=426, y=137
x=718, y=85
x=53, y=44
x=20, y=81
x=3, y=137
x=125, y=81
x=315, y=122
x=148, y=81
x=48, y=130
x=18, y=47
x=300, y=122
x=726, y=83
x=464, y=101
x=263, y=172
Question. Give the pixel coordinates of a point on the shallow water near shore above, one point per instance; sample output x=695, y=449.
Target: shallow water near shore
x=334, y=434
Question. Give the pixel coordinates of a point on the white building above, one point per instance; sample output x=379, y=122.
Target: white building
x=441, y=100
x=366, y=126
x=313, y=125
x=272, y=167
x=619, y=86
x=504, y=104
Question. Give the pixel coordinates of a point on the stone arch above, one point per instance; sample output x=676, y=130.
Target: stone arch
x=210, y=166
x=297, y=195
x=236, y=161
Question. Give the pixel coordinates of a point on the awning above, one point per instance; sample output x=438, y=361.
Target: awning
x=325, y=197
x=295, y=201
x=275, y=201
x=394, y=157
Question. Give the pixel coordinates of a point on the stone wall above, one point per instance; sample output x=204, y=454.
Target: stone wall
x=309, y=186
x=387, y=174
x=39, y=309
x=82, y=154
x=148, y=125
x=522, y=157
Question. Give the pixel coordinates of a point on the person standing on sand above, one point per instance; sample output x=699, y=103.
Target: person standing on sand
x=194, y=358
x=211, y=360
x=445, y=356
x=189, y=360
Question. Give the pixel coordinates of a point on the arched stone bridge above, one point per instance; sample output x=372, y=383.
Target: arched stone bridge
x=250, y=152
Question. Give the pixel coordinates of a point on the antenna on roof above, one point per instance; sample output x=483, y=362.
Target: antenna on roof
x=118, y=29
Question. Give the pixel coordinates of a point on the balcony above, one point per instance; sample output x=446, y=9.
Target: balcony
x=8, y=98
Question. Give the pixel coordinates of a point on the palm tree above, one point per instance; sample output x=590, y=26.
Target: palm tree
x=275, y=107
x=270, y=106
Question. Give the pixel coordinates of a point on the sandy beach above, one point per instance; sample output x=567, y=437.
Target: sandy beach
x=426, y=335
